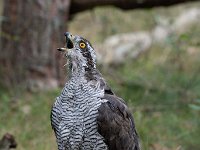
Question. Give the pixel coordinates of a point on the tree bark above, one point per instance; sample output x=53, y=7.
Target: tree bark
x=81, y=5
x=31, y=32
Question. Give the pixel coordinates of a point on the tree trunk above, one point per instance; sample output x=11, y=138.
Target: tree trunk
x=81, y=5
x=30, y=34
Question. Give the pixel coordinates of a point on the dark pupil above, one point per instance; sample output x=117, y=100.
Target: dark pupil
x=82, y=44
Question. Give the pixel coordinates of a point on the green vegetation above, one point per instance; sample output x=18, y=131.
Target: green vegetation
x=28, y=118
x=162, y=87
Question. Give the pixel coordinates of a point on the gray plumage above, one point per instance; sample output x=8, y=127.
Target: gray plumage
x=88, y=115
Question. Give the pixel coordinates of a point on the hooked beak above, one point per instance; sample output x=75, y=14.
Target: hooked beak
x=69, y=42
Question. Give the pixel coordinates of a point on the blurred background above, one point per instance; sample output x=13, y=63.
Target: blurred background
x=148, y=51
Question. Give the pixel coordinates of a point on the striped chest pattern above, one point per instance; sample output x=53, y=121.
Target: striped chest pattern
x=74, y=116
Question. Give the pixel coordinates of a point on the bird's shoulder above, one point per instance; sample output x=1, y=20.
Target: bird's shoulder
x=116, y=124
x=97, y=77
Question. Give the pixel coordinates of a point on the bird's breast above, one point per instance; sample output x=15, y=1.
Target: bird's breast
x=79, y=110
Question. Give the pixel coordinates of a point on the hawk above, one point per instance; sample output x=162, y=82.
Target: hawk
x=88, y=115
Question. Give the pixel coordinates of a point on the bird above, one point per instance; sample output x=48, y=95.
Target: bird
x=7, y=142
x=88, y=115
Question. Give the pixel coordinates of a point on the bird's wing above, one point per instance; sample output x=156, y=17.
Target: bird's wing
x=116, y=124
x=103, y=83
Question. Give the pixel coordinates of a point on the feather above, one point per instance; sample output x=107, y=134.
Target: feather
x=116, y=124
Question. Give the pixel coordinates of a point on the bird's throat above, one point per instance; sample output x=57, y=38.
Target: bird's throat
x=76, y=70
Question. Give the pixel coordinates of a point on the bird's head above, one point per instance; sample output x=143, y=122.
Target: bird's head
x=80, y=53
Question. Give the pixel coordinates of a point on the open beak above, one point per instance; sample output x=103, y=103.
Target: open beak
x=69, y=42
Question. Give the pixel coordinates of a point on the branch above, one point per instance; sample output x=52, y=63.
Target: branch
x=81, y=5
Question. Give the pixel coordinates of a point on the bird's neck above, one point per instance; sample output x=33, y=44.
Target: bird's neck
x=80, y=71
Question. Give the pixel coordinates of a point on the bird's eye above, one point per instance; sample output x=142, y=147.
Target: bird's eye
x=82, y=45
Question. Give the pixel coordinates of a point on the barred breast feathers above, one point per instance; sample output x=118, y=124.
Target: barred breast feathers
x=74, y=115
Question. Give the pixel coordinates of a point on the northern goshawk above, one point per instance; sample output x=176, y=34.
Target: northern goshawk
x=88, y=115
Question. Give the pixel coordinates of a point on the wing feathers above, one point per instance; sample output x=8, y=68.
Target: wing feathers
x=116, y=125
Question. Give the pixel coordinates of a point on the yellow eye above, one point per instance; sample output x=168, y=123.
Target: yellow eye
x=82, y=45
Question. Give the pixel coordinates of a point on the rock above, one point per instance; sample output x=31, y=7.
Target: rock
x=117, y=48
x=7, y=142
x=26, y=109
x=187, y=18
x=160, y=33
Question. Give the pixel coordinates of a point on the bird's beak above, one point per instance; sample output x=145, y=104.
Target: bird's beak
x=69, y=42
